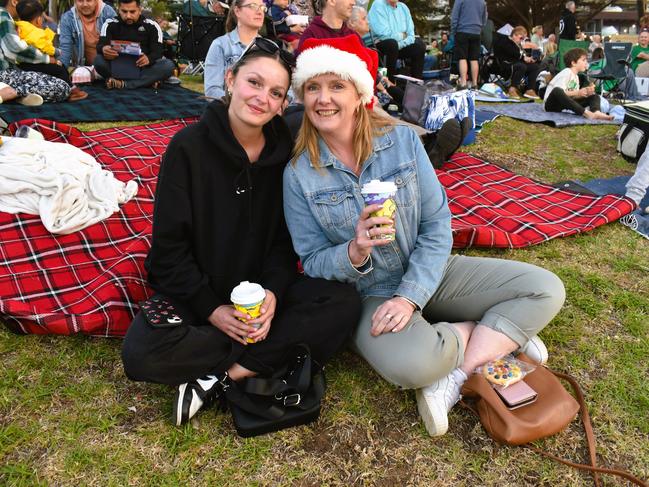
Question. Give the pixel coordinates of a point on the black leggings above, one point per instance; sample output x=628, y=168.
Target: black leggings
x=521, y=70
x=317, y=312
x=558, y=101
x=415, y=52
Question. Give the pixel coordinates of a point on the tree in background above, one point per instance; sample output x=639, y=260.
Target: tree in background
x=541, y=12
x=429, y=16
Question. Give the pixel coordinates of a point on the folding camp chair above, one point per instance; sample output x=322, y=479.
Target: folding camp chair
x=616, y=55
x=564, y=46
x=195, y=35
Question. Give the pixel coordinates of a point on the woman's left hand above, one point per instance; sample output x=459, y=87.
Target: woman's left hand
x=392, y=316
x=267, y=314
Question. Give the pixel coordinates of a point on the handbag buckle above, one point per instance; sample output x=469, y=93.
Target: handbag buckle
x=292, y=400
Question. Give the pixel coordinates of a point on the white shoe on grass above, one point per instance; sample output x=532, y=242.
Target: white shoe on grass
x=436, y=400
x=536, y=350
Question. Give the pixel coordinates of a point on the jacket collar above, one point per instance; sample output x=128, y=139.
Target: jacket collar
x=328, y=159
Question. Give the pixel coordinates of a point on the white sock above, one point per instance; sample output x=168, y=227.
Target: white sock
x=459, y=376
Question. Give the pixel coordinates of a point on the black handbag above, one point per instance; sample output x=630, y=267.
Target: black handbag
x=292, y=396
x=416, y=99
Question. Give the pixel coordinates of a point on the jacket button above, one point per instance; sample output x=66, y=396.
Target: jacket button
x=398, y=181
x=334, y=197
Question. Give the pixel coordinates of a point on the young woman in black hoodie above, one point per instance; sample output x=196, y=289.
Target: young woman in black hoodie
x=218, y=220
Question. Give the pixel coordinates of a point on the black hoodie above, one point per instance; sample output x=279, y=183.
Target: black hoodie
x=568, y=25
x=218, y=219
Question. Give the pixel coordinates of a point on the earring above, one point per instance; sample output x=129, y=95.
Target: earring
x=229, y=92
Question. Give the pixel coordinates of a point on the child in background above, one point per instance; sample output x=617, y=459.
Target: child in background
x=30, y=27
x=279, y=10
x=564, y=93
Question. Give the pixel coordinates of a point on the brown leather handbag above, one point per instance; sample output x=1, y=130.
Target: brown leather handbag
x=552, y=411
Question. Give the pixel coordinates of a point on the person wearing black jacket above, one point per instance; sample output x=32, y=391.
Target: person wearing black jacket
x=218, y=221
x=568, y=22
x=130, y=25
x=514, y=64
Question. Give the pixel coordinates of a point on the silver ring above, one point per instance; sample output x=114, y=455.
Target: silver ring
x=367, y=232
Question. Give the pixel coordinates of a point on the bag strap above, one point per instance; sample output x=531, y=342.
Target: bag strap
x=590, y=439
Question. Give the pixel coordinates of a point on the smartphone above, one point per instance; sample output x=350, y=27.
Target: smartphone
x=517, y=395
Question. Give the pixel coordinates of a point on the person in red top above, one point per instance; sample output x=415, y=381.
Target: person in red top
x=332, y=22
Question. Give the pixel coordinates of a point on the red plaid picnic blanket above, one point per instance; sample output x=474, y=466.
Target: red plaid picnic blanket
x=91, y=281
x=494, y=207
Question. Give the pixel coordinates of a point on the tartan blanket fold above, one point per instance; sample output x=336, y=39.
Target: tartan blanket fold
x=494, y=207
x=91, y=281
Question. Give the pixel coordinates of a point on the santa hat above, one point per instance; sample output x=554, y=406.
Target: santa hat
x=345, y=56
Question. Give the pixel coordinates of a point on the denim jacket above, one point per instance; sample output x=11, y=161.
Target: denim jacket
x=71, y=35
x=322, y=206
x=223, y=53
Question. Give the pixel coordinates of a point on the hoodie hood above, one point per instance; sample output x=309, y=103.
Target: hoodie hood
x=279, y=142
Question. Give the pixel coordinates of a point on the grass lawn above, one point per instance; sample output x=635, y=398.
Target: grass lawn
x=68, y=416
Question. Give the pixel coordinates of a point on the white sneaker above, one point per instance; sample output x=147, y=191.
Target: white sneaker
x=31, y=100
x=436, y=400
x=536, y=350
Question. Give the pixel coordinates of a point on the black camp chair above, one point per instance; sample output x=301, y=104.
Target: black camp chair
x=195, y=35
x=616, y=55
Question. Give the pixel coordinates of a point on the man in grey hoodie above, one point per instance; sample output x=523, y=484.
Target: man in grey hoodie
x=467, y=20
x=79, y=31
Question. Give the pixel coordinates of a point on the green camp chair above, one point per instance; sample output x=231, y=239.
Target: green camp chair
x=564, y=46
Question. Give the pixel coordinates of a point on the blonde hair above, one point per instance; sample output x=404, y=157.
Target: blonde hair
x=368, y=125
x=519, y=29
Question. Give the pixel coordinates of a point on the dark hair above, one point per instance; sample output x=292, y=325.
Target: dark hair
x=598, y=53
x=29, y=10
x=573, y=55
x=3, y=3
x=256, y=54
x=231, y=20
x=128, y=1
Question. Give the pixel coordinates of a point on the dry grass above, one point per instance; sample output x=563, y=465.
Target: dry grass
x=68, y=416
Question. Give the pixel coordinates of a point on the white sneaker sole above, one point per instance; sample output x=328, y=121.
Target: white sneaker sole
x=178, y=405
x=436, y=426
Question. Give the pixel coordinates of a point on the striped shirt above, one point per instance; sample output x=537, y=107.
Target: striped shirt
x=13, y=49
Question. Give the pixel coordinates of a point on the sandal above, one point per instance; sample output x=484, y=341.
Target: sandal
x=76, y=94
x=116, y=84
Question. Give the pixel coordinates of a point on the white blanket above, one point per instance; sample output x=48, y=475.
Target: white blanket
x=61, y=183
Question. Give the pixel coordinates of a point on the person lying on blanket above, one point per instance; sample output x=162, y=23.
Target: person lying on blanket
x=563, y=91
x=428, y=318
x=218, y=221
x=131, y=26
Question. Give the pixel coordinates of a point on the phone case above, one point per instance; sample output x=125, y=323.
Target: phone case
x=160, y=313
x=516, y=395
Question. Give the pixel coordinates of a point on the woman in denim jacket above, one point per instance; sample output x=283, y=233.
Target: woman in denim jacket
x=429, y=318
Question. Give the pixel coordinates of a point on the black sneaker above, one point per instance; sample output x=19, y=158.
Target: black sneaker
x=448, y=140
x=192, y=396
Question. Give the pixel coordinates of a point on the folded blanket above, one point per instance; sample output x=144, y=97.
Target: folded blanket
x=65, y=186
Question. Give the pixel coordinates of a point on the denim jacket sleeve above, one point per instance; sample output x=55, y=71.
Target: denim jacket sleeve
x=66, y=38
x=427, y=261
x=215, y=70
x=320, y=257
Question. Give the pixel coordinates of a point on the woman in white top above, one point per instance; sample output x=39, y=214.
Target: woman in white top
x=563, y=92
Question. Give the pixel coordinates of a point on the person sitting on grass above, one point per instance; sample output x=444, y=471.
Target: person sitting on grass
x=563, y=91
x=30, y=29
x=132, y=26
x=638, y=185
x=521, y=69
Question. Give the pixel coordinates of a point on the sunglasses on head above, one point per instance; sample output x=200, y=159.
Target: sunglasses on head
x=266, y=45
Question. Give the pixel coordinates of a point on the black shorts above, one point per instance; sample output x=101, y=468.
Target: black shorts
x=467, y=46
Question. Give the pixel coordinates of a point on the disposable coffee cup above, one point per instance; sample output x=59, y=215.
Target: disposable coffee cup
x=248, y=297
x=381, y=193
